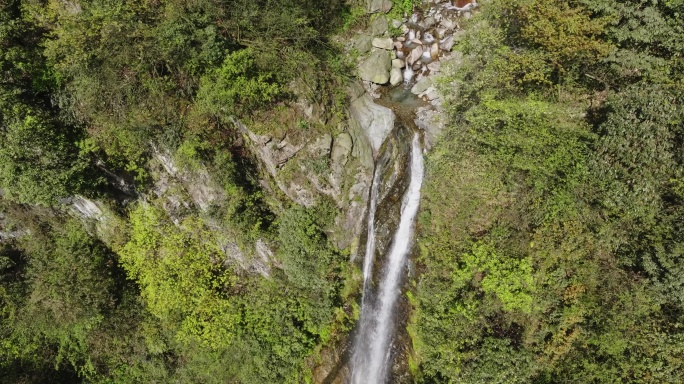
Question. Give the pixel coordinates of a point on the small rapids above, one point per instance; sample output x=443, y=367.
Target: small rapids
x=371, y=358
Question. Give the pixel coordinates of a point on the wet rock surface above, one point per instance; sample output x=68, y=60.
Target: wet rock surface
x=418, y=57
x=399, y=94
x=376, y=120
x=421, y=55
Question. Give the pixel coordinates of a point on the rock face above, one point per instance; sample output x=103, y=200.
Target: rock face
x=86, y=208
x=201, y=189
x=377, y=121
x=376, y=67
x=273, y=154
x=342, y=148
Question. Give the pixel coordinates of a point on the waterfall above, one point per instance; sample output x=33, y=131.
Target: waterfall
x=372, y=347
x=370, y=241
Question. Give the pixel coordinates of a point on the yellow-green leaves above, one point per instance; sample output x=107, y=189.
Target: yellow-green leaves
x=509, y=279
x=182, y=276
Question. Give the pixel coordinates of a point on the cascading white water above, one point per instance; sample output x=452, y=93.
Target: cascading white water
x=372, y=352
x=370, y=241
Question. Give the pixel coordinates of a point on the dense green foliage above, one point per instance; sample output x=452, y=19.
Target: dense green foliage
x=552, y=252
x=90, y=93
x=551, y=235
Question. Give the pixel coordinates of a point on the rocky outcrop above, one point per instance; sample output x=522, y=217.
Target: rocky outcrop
x=374, y=120
x=85, y=208
x=338, y=167
x=198, y=183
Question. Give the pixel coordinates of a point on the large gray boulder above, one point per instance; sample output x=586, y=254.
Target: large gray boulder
x=379, y=6
x=376, y=67
x=379, y=26
x=363, y=43
x=375, y=120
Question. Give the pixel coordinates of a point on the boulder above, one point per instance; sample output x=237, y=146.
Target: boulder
x=354, y=90
x=375, y=68
x=379, y=26
x=447, y=43
x=430, y=121
x=421, y=85
x=396, y=77
x=430, y=93
x=379, y=6
x=434, y=51
x=363, y=43
x=429, y=22
x=415, y=54
x=398, y=63
x=434, y=67
x=375, y=120
x=383, y=43
x=448, y=24
x=396, y=23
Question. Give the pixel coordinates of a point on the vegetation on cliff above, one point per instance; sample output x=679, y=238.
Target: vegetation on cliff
x=551, y=241
x=551, y=237
x=96, y=94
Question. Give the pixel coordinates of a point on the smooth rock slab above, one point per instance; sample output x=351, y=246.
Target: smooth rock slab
x=376, y=67
x=375, y=120
x=415, y=54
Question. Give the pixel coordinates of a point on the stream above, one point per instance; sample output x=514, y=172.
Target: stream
x=372, y=356
x=380, y=344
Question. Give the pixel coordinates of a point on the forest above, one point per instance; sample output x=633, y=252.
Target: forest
x=550, y=236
